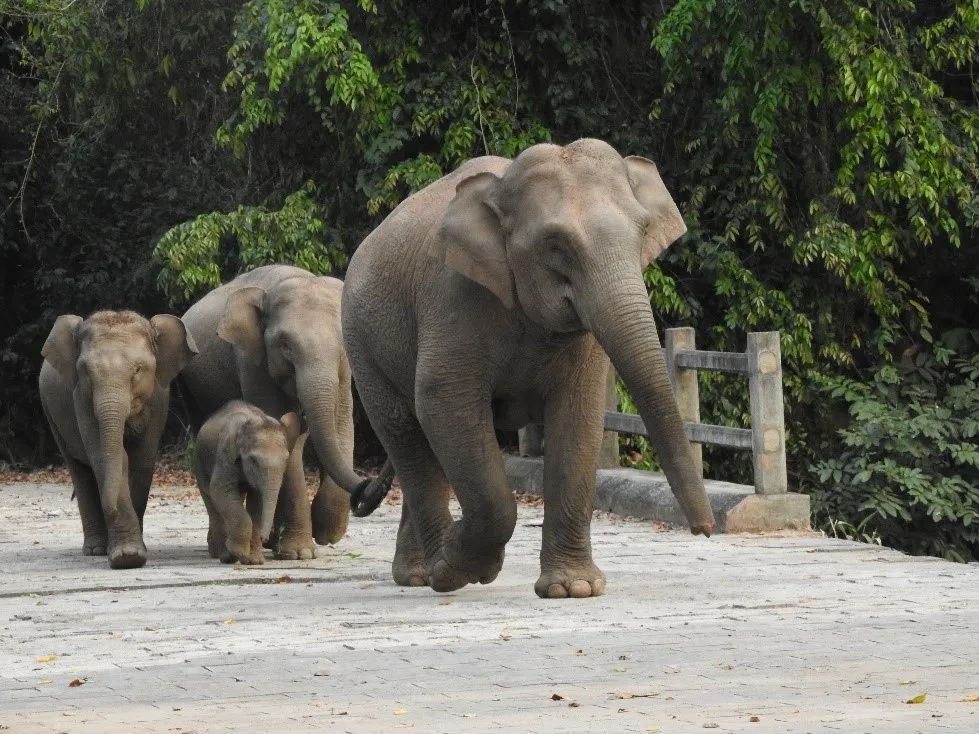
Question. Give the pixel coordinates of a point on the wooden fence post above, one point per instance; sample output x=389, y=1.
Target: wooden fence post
x=767, y=412
x=686, y=389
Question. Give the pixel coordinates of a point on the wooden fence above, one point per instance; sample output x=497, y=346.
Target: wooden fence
x=761, y=363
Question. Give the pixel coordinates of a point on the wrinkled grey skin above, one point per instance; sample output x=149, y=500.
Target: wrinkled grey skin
x=242, y=454
x=272, y=337
x=490, y=299
x=105, y=390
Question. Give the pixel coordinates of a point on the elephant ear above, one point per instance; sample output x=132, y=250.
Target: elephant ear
x=61, y=347
x=666, y=223
x=294, y=428
x=175, y=346
x=473, y=236
x=241, y=323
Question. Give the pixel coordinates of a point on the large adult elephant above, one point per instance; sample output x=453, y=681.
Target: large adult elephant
x=486, y=300
x=272, y=338
x=105, y=389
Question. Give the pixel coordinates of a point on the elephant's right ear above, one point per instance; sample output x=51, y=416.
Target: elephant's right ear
x=61, y=346
x=473, y=236
x=241, y=323
x=293, y=425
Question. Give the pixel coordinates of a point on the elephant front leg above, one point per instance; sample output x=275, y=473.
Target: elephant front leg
x=574, y=419
x=292, y=514
x=458, y=422
x=90, y=508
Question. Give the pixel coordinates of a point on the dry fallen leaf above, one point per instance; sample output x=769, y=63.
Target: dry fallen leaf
x=574, y=705
x=654, y=730
x=618, y=669
x=469, y=716
x=400, y=712
x=46, y=659
x=970, y=699
x=622, y=696
x=908, y=682
x=920, y=698
x=711, y=725
x=557, y=697
x=283, y=579
x=228, y=621
x=754, y=719
x=44, y=682
x=78, y=682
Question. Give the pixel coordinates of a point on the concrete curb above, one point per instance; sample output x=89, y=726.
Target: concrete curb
x=647, y=495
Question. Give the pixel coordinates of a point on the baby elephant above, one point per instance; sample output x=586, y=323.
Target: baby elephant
x=242, y=453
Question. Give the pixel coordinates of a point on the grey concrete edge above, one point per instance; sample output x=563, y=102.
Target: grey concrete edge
x=647, y=496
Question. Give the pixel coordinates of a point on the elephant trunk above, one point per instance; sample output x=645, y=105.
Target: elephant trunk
x=621, y=319
x=110, y=406
x=270, y=497
x=318, y=395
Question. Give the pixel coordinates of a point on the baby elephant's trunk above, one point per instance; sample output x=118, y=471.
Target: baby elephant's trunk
x=270, y=497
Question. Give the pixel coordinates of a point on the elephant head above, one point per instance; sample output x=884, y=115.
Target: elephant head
x=263, y=448
x=115, y=362
x=563, y=235
x=294, y=331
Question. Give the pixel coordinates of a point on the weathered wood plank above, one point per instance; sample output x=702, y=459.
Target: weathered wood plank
x=715, y=361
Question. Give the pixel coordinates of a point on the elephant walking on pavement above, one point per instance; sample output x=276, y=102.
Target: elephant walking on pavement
x=490, y=299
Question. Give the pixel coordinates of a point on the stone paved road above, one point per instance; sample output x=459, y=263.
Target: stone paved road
x=803, y=633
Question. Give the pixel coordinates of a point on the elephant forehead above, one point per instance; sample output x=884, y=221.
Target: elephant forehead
x=304, y=293
x=102, y=330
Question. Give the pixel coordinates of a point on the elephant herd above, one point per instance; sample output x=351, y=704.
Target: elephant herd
x=490, y=299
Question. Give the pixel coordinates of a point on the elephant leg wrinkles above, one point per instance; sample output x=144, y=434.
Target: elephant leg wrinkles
x=458, y=423
x=573, y=425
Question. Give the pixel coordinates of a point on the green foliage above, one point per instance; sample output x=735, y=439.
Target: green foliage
x=194, y=262
x=907, y=467
x=824, y=153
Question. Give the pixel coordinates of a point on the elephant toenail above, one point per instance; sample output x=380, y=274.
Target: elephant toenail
x=580, y=589
x=556, y=591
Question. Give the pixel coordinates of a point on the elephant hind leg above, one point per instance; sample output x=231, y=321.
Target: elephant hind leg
x=425, y=492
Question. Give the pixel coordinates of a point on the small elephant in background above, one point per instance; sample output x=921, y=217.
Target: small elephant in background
x=105, y=391
x=242, y=453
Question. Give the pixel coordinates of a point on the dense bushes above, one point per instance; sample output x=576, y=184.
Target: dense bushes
x=824, y=153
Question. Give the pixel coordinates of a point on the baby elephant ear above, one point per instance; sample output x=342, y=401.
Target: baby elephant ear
x=61, y=346
x=473, y=237
x=665, y=224
x=294, y=428
x=175, y=347
x=241, y=323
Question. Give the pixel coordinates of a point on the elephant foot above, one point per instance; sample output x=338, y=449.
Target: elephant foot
x=577, y=582
x=95, y=546
x=330, y=511
x=454, y=569
x=291, y=548
x=409, y=571
x=244, y=555
x=130, y=554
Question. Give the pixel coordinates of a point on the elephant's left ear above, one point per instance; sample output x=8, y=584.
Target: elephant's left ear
x=174, y=347
x=666, y=223
x=473, y=237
